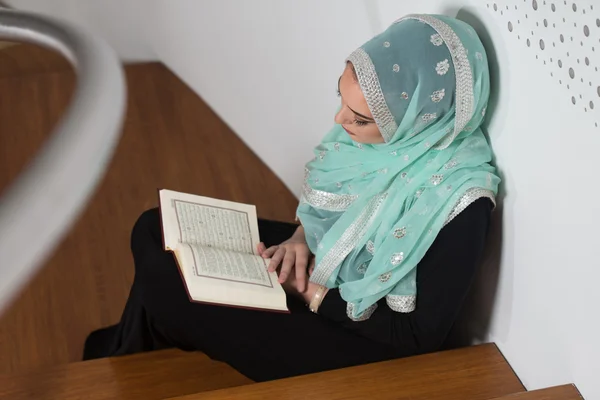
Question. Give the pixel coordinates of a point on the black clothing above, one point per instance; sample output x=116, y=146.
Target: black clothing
x=266, y=345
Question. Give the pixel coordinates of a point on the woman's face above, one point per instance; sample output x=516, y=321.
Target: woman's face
x=355, y=116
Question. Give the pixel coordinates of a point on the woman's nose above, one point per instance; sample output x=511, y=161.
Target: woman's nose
x=342, y=117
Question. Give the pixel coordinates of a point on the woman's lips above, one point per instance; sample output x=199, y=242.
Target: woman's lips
x=349, y=133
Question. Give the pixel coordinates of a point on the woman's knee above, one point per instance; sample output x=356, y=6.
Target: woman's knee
x=152, y=263
x=146, y=229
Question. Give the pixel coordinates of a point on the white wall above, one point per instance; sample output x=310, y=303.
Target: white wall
x=124, y=24
x=269, y=68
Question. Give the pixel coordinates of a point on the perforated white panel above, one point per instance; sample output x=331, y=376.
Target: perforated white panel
x=564, y=37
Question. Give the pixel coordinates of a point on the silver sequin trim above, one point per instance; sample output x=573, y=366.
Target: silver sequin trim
x=338, y=252
x=371, y=247
x=396, y=68
x=442, y=67
x=325, y=200
x=383, y=278
x=429, y=117
x=362, y=268
x=438, y=95
x=436, y=179
x=437, y=40
x=399, y=233
x=403, y=304
x=364, y=316
x=397, y=258
x=451, y=164
x=405, y=95
x=467, y=199
x=462, y=69
x=369, y=83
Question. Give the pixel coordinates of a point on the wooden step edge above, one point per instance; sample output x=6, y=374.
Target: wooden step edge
x=474, y=373
x=562, y=392
x=150, y=375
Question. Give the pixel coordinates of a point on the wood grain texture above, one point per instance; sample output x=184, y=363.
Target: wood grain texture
x=564, y=392
x=147, y=376
x=22, y=59
x=4, y=45
x=472, y=373
x=171, y=139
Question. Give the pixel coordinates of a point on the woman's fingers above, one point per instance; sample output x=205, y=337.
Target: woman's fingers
x=301, y=264
x=267, y=253
x=311, y=267
x=286, y=267
x=276, y=259
x=261, y=248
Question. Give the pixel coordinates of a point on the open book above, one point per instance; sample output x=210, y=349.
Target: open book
x=214, y=244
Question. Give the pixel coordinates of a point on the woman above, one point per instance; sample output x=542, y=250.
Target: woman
x=395, y=209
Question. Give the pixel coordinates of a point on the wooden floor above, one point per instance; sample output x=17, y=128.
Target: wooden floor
x=171, y=139
x=145, y=376
x=471, y=373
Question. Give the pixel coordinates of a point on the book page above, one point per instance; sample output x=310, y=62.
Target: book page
x=223, y=228
x=209, y=222
x=211, y=262
x=243, y=286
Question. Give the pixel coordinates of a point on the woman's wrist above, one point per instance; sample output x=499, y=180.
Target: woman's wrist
x=299, y=234
x=314, y=295
x=311, y=289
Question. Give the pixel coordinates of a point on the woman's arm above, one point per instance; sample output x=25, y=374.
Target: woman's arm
x=443, y=280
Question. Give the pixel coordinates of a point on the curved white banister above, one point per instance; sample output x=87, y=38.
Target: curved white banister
x=41, y=204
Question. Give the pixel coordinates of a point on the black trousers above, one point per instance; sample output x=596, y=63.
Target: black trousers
x=261, y=345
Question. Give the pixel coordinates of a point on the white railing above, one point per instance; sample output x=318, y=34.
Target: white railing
x=40, y=205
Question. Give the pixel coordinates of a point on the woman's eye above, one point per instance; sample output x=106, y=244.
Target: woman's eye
x=360, y=123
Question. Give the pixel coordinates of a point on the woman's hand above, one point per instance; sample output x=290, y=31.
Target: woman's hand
x=290, y=286
x=293, y=254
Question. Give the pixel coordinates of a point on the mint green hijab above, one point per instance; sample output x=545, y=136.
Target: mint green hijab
x=371, y=212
